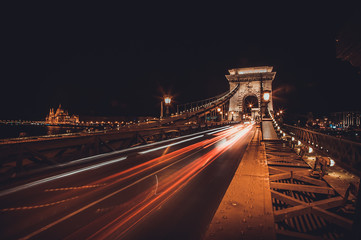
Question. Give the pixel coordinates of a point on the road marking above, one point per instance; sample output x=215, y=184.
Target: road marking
x=36, y=206
x=156, y=184
x=49, y=179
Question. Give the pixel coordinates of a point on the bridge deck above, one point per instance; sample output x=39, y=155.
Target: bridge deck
x=246, y=209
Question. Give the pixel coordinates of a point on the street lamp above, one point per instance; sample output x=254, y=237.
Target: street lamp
x=167, y=101
x=266, y=96
x=266, y=99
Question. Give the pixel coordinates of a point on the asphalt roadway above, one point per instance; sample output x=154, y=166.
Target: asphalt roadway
x=165, y=190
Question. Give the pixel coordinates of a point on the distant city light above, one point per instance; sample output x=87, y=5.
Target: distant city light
x=299, y=142
x=310, y=150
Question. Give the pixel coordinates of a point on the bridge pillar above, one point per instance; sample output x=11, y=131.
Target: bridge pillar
x=253, y=81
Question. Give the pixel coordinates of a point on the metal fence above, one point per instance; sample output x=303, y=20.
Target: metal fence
x=345, y=152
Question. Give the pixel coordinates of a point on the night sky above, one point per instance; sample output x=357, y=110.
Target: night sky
x=107, y=60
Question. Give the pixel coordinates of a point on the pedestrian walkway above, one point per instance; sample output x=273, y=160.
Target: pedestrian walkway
x=268, y=131
x=246, y=209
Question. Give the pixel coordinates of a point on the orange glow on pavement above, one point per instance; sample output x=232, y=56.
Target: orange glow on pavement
x=170, y=185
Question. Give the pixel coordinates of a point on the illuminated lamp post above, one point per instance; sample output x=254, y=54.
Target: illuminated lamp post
x=266, y=99
x=167, y=101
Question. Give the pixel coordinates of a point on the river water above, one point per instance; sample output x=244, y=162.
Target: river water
x=16, y=130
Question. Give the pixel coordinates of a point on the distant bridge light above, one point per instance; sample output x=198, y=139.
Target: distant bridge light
x=218, y=109
x=299, y=143
x=332, y=162
x=310, y=150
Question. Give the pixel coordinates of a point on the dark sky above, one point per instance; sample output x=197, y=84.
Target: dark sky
x=118, y=60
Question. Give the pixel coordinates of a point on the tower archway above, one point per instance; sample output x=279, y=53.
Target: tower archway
x=249, y=102
x=253, y=81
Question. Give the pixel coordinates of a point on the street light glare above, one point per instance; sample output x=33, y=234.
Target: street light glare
x=266, y=96
x=167, y=100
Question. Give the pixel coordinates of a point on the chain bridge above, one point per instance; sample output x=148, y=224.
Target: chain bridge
x=226, y=167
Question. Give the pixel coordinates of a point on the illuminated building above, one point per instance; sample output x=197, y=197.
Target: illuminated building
x=60, y=117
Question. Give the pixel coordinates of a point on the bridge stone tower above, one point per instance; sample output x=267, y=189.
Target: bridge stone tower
x=253, y=81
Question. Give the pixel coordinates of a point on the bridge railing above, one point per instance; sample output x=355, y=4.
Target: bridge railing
x=194, y=106
x=201, y=110
x=345, y=152
x=21, y=157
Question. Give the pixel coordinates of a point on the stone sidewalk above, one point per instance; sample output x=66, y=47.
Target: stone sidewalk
x=246, y=209
x=269, y=133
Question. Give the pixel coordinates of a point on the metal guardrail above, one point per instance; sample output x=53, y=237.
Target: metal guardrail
x=345, y=152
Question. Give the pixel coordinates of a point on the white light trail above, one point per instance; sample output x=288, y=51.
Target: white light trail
x=132, y=148
x=169, y=145
x=216, y=131
x=49, y=179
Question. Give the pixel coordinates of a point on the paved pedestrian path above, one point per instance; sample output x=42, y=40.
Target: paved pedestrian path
x=246, y=209
x=269, y=133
